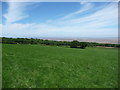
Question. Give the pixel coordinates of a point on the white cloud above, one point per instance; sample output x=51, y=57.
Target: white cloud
x=94, y=25
x=109, y=15
x=60, y=0
x=46, y=30
x=16, y=11
x=84, y=7
x=105, y=20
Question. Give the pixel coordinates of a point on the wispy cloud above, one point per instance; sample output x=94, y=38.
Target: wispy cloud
x=107, y=14
x=16, y=11
x=84, y=7
x=61, y=0
x=47, y=30
x=101, y=23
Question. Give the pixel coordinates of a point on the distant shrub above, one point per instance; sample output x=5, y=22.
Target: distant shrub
x=83, y=45
x=74, y=44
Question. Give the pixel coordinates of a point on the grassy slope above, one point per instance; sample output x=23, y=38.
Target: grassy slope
x=53, y=67
x=0, y=66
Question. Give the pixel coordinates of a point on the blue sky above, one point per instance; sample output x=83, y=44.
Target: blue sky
x=60, y=19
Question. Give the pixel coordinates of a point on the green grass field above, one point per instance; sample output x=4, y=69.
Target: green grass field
x=0, y=66
x=36, y=66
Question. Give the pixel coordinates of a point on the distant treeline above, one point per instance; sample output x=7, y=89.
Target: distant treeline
x=53, y=43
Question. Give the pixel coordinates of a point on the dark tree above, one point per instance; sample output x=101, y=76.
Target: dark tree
x=74, y=44
x=83, y=45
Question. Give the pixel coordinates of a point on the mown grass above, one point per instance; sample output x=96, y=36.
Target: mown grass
x=36, y=66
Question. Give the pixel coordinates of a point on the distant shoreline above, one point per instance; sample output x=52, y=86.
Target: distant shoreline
x=113, y=40
x=104, y=40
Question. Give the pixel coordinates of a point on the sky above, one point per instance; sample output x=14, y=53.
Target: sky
x=59, y=19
